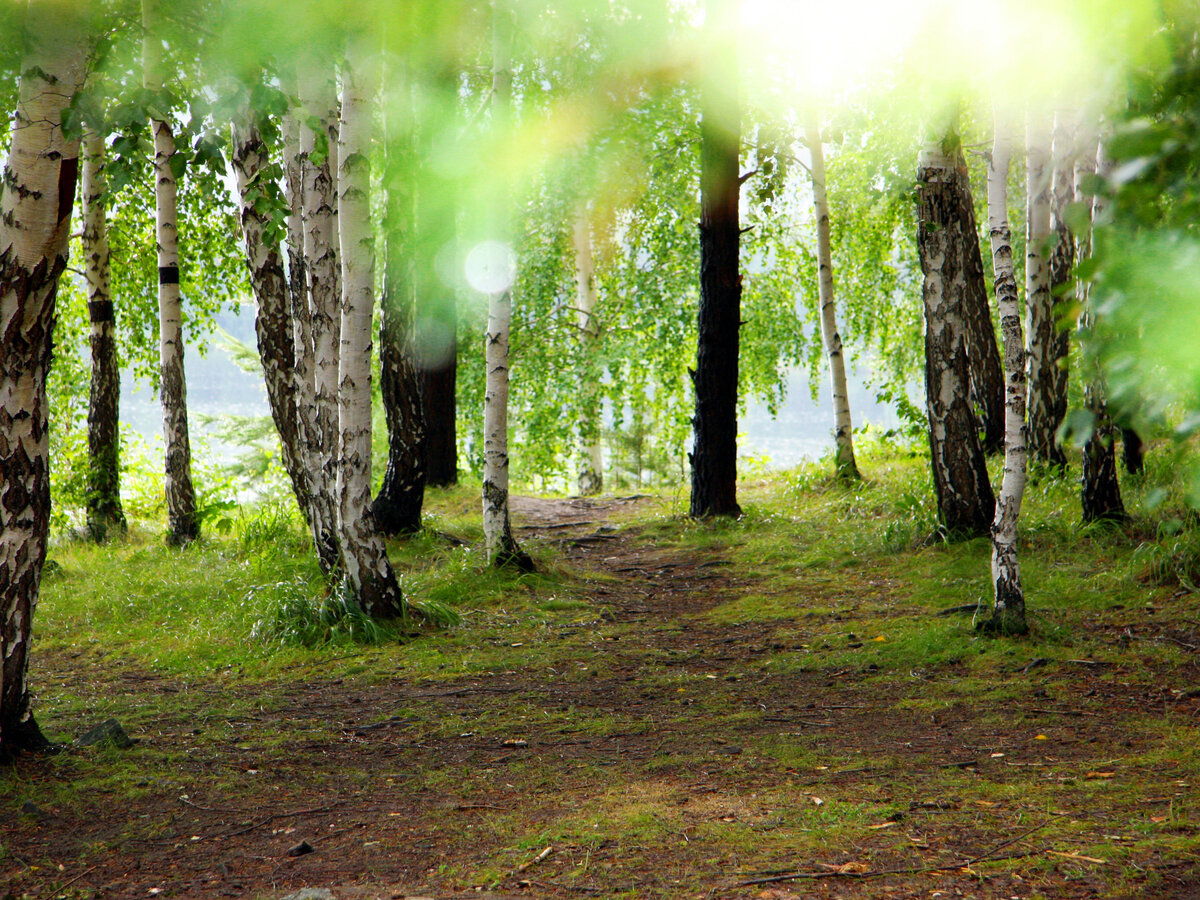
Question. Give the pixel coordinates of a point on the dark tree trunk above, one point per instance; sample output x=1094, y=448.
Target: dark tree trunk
x=983, y=355
x=1101, y=491
x=397, y=506
x=1133, y=454
x=966, y=503
x=438, y=378
x=714, y=453
x=104, y=513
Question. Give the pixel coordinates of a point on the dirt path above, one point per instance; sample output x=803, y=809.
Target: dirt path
x=654, y=754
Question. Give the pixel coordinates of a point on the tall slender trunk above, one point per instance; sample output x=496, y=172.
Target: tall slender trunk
x=1043, y=374
x=1062, y=264
x=397, y=505
x=439, y=377
x=39, y=180
x=498, y=539
x=591, y=456
x=273, y=323
x=966, y=503
x=843, y=434
x=183, y=524
x=1100, y=494
x=1008, y=610
x=369, y=577
x=714, y=445
x=104, y=513
x=983, y=356
x=323, y=296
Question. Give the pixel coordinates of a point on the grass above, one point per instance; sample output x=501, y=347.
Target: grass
x=803, y=696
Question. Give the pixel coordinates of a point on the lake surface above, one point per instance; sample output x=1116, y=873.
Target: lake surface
x=802, y=429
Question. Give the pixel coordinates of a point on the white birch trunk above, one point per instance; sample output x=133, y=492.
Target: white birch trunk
x=1042, y=364
x=323, y=298
x=104, y=513
x=182, y=522
x=843, y=433
x=1008, y=614
x=499, y=543
x=591, y=456
x=368, y=575
x=39, y=180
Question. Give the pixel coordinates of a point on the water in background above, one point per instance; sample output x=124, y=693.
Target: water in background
x=802, y=430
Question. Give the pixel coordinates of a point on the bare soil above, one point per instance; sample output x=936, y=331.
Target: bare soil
x=392, y=807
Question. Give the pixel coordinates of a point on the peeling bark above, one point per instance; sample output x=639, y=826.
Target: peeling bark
x=847, y=469
x=1008, y=609
x=105, y=517
x=40, y=178
x=966, y=503
x=590, y=454
x=368, y=575
x=715, y=378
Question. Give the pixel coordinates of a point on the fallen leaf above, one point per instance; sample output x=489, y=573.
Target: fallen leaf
x=882, y=825
x=1157, y=819
x=817, y=801
x=1099, y=774
x=515, y=742
x=880, y=638
x=997, y=755
x=1040, y=737
x=987, y=803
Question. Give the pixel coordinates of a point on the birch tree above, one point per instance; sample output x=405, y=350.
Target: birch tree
x=183, y=525
x=715, y=378
x=1008, y=610
x=39, y=182
x=500, y=544
x=105, y=516
x=847, y=470
x=591, y=457
x=1100, y=494
x=966, y=503
x=368, y=574
x=1044, y=373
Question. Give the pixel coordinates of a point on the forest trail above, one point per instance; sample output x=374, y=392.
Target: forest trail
x=636, y=739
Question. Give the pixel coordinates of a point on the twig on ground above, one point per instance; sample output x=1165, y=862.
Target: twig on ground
x=990, y=855
x=62, y=887
x=265, y=820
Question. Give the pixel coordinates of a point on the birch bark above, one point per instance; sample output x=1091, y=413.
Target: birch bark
x=273, y=324
x=966, y=503
x=591, y=456
x=1008, y=610
x=39, y=181
x=183, y=525
x=847, y=469
x=368, y=574
x=105, y=517
x=322, y=297
x=498, y=539
x=1043, y=371
x=715, y=378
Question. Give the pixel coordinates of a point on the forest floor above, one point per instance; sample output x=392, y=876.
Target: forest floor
x=669, y=709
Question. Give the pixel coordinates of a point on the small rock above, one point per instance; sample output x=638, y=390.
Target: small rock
x=312, y=893
x=301, y=849
x=108, y=732
x=30, y=808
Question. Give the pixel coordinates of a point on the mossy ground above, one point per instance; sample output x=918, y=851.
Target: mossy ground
x=674, y=708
